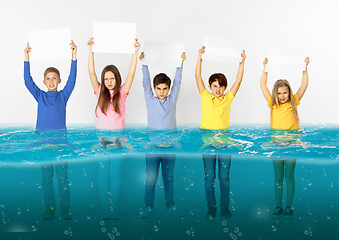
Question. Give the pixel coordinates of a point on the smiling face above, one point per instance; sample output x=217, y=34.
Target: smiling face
x=216, y=89
x=109, y=79
x=52, y=81
x=283, y=94
x=161, y=90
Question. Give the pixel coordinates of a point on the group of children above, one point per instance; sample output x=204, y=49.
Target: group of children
x=161, y=115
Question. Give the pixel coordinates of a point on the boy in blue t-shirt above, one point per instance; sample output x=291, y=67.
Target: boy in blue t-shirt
x=161, y=115
x=52, y=116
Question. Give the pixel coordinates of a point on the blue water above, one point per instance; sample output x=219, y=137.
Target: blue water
x=312, y=143
x=252, y=199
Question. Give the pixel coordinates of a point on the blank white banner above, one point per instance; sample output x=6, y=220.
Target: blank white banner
x=114, y=37
x=50, y=44
x=285, y=60
x=163, y=54
x=221, y=50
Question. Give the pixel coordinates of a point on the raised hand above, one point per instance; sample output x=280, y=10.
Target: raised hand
x=27, y=50
x=142, y=56
x=90, y=43
x=307, y=60
x=136, y=46
x=243, y=55
x=183, y=56
x=201, y=51
x=265, y=61
x=74, y=50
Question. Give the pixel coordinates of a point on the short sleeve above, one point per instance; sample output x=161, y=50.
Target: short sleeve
x=204, y=94
x=269, y=102
x=123, y=93
x=230, y=96
x=296, y=99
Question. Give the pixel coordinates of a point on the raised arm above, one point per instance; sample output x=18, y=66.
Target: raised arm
x=263, y=82
x=236, y=84
x=146, y=79
x=304, y=81
x=177, y=79
x=70, y=84
x=132, y=68
x=198, y=78
x=30, y=85
x=91, y=67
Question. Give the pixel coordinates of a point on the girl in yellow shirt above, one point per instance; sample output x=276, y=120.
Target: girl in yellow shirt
x=284, y=116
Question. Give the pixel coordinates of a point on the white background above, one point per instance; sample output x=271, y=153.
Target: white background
x=256, y=25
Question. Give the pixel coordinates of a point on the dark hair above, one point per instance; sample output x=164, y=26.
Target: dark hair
x=51, y=69
x=219, y=77
x=105, y=101
x=161, y=78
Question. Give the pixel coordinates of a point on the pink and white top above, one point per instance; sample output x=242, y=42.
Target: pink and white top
x=113, y=120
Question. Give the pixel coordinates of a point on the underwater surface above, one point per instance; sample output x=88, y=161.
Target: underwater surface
x=86, y=152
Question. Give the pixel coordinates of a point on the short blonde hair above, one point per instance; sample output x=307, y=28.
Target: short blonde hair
x=51, y=69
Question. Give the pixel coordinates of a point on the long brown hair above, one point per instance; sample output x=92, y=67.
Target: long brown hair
x=105, y=100
x=275, y=101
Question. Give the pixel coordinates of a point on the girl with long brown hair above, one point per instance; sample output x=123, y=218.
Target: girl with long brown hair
x=110, y=115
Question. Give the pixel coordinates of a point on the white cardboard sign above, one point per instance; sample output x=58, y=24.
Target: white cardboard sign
x=50, y=44
x=114, y=37
x=221, y=50
x=163, y=54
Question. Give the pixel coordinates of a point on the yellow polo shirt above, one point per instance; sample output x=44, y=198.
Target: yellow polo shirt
x=282, y=115
x=215, y=114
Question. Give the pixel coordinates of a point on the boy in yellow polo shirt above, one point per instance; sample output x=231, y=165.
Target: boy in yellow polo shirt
x=215, y=114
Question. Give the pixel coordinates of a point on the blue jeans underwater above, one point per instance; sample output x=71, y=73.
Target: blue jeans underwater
x=61, y=169
x=109, y=177
x=152, y=171
x=224, y=164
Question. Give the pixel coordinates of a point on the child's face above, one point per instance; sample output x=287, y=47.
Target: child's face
x=161, y=90
x=109, y=79
x=52, y=81
x=216, y=89
x=283, y=94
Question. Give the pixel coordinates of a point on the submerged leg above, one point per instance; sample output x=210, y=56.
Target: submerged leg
x=209, y=167
x=290, y=182
x=167, y=167
x=103, y=166
x=223, y=175
x=47, y=184
x=278, y=166
x=115, y=175
x=61, y=169
x=152, y=171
